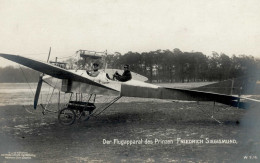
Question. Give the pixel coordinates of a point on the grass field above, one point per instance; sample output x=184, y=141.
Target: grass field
x=49, y=141
x=26, y=132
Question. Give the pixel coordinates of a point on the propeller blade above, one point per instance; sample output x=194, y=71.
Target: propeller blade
x=49, y=55
x=37, y=93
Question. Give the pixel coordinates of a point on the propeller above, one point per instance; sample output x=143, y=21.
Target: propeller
x=39, y=85
x=38, y=90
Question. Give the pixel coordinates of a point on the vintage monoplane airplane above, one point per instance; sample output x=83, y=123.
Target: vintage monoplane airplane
x=79, y=82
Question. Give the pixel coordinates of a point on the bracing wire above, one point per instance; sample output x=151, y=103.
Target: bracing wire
x=49, y=91
x=27, y=80
x=52, y=92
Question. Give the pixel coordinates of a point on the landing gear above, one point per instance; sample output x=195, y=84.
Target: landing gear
x=67, y=116
x=78, y=109
x=75, y=110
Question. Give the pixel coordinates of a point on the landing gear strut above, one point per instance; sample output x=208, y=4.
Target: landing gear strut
x=77, y=109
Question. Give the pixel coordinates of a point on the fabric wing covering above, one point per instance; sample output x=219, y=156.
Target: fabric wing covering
x=50, y=69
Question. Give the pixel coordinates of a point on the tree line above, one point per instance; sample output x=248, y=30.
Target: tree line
x=178, y=66
x=12, y=74
x=163, y=66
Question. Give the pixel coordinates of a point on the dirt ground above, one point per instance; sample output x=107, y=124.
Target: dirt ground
x=42, y=139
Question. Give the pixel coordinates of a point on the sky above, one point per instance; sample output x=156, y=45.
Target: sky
x=30, y=27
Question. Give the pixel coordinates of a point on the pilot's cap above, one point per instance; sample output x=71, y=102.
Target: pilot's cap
x=126, y=66
x=95, y=64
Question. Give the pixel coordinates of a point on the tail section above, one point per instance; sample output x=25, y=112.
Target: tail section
x=238, y=86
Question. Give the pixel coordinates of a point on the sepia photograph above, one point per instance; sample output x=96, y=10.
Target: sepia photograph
x=129, y=81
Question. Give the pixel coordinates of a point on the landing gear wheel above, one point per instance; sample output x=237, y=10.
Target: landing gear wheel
x=67, y=116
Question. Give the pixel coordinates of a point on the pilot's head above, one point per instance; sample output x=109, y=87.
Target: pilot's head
x=95, y=66
x=126, y=67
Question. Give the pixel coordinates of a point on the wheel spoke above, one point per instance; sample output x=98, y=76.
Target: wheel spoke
x=67, y=116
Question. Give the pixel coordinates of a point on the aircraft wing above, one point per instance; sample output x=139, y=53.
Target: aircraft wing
x=180, y=94
x=131, y=88
x=49, y=69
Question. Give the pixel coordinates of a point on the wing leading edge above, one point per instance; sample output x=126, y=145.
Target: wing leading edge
x=50, y=69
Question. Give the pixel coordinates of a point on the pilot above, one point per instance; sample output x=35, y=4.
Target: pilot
x=94, y=72
x=125, y=76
